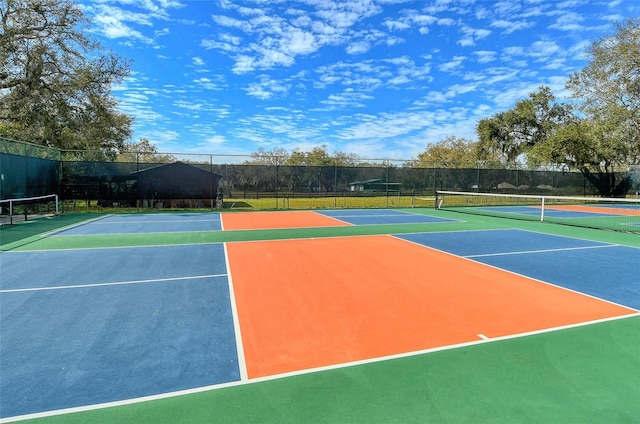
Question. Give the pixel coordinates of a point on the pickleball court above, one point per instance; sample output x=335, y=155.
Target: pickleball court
x=109, y=329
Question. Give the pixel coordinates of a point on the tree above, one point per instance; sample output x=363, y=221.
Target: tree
x=265, y=175
x=320, y=156
x=507, y=136
x=143, y=152
x=449, y=155
x=609, y=90
x=451, y=152
x=275, y=156
x=317, y=169
x=314, y=170
x=55, y=82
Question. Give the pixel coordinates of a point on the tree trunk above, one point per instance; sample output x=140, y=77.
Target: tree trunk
x=606, y=182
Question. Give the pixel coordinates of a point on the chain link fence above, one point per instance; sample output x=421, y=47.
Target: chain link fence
x=144, y=180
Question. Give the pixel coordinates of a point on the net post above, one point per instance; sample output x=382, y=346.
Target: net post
x=10, y=212
x=435, y=202
x=542, y=210
x=57, y=209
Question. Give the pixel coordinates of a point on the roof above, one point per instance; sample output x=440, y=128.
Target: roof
x=374, y=180
x=178, y=165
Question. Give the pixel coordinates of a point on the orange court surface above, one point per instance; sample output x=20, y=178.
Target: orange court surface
x=267, y=220
x=596, y=209
x=310, y=303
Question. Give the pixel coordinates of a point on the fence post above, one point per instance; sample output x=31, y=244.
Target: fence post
x=214, y=196
x=138, y=181
x=335, y=184
x=387, y=187
x=276, y=185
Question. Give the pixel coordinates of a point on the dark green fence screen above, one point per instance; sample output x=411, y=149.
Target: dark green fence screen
x=27, y=170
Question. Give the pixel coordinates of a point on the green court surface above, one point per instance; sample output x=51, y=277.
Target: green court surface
x=580, y=374
x=30, y=235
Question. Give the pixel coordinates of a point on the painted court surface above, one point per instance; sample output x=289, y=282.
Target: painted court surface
x=383, y=305
x=247, y=318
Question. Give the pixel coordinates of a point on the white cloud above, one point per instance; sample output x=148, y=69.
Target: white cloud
x=188, y=105
x=386, y=125
x=433, y=97
x=471, y=35
x=243, y=64
x=215, y=140
x=316, y=66
x=446, y=22
x=266, y=88
x=506, y=8
x=228, y=22
x=509, y=27
x=485, y=56
x=396, y=25
x=358, y=47
x=543, y=49
x=453, y=64
x=270, y=40
x=399, y=80
x=300, y=42
x=112, y=27
x=119, y=22
x=348, y=98
x=208, y=84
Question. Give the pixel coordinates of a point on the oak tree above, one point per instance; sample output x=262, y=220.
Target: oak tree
x=55, y=81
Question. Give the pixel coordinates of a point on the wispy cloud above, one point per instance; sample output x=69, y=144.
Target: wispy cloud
x=266, y=88
x=471, y=35
x=115, y=22
x=374, y=77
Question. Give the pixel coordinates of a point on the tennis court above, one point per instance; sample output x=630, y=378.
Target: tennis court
x=377, y=315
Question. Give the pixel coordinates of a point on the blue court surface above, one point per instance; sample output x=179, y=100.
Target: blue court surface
x=381, y=216
x=99, y=325
x=602, y=270
x=148, y=223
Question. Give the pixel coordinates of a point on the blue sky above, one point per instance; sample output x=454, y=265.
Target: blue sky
x=381, y=79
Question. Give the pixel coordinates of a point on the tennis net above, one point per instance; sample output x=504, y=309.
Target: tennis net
x=591, y=212
x=26, y=208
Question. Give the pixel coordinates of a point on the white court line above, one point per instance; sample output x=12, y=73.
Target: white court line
x=77, y=224
x=118, y=283
x=144, y=246
x=469, y=258
x=406, y=215
x=135, y=233
x=302, y=372
x=242, y=363
x=157, y=222
x=561, y=249
x=348, y=224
